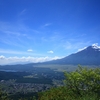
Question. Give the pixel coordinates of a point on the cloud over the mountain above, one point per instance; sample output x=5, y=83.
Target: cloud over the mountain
x=18, y=60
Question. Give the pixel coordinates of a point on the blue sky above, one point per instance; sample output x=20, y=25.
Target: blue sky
x=41, y=30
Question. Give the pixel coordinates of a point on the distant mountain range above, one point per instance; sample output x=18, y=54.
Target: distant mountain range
x=88, y=56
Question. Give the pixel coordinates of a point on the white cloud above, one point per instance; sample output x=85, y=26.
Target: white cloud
x=21, y=53
x=50, y=51
x=18, y=60
x=56, y=57
x=2, y=57
x=82, y=49
x=12, y=52
x=30, y=50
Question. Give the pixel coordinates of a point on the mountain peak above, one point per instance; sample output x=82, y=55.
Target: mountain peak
x=87, y=56
x=95, y=46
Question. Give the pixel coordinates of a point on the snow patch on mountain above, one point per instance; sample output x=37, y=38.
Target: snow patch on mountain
x=95, y=46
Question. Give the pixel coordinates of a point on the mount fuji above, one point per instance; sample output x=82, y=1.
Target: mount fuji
x=88, y=56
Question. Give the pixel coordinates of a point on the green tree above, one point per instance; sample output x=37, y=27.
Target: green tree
x=3, y=96
x=83, y=80
x=81, y=84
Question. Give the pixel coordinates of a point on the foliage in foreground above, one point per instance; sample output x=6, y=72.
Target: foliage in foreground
x=4, y=96
x=81, y=84
x=62, y=93
x=83, y=80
